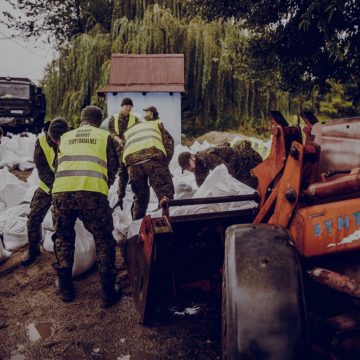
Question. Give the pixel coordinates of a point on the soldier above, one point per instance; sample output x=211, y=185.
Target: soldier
x=118, y=124
x=238, y=161
x=44, y=157
x=147, y=153
x=87, y=166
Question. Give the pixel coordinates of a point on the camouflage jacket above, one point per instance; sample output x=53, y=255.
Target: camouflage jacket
x=46, y=175
x=113, y=162
x=123, y=123
x=238, y=162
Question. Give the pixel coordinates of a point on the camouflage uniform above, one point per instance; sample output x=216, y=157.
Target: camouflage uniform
x=93, y=209
x=238, y=161
x=150, y=165
x=123, y=173
x=41, y=201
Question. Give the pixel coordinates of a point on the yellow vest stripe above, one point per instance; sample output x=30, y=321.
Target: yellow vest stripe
x=142, y=138
x=50, y=156
x=83, y=158
x=90, y=173
x=138, y=142
x=48, y=151
x=82, y=165
x=44, y=187
x=131, y=122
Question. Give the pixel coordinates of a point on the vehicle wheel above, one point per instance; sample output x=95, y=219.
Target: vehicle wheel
x=263, y=312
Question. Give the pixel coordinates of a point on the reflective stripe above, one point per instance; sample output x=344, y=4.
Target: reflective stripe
x=131, y=122
x=48, y=151
x=82, y=161
x=142, y=138
x=139, y=141
x=82, y=158
x=136, y=132
x=44, y=187
x=90, y=173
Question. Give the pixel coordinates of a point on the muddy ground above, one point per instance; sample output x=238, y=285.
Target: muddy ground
x=36, y=324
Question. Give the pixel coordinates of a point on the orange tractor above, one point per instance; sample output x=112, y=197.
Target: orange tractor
x=304, y=231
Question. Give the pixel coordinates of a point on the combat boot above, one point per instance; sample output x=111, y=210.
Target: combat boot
x=110, y=292
x=64, y=284
x=33, y=253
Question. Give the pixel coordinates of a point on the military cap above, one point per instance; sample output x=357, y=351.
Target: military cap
x=127, y=101
x=57, y=127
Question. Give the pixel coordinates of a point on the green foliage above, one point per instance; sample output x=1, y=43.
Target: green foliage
x=58, y=20
x=223, y=89
x=295, y=45
x=72, y=80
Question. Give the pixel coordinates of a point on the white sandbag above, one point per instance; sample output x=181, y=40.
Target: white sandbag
x=33, y=179
x=47, y=223
x=218, y=183
x=17, y=151
x=134, y=228
x=13, y=226
x=29, y=194
x=121, y=222
x=2, y=206
x=4, y=254
x=8, y=178
x=13, y=194
x=184, y=189
x=48, y=244
x=85, y=253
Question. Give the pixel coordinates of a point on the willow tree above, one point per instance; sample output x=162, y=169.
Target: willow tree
x=71, y=81
x=214, y=98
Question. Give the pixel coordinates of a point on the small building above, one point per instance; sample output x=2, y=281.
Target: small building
x=153, y=79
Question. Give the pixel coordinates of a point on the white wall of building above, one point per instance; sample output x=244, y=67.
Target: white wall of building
x=168, y=106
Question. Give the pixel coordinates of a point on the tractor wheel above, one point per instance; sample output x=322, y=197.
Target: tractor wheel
x=263, y=309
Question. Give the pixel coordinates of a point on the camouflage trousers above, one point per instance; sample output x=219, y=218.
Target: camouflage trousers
x=158, y=175
x=94, y=211
x=39, y=206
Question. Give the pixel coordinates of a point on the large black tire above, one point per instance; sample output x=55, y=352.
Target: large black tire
x=263, y=312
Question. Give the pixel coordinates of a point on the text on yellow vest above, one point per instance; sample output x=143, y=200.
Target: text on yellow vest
x=82, y=161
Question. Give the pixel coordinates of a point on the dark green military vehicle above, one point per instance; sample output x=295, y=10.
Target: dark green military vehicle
x=22, y=105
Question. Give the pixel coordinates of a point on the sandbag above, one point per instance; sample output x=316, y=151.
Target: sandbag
x=4, y=254
x=13, y=226
x=218, y=183
x=85, y=254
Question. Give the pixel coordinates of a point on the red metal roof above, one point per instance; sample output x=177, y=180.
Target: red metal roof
x=145, y=73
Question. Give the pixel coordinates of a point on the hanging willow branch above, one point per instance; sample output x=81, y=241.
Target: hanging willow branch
x=214, y=98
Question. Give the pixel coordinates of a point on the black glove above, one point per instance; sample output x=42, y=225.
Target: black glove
x=119, y=203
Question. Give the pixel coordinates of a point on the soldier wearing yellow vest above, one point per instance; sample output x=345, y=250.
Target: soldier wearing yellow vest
x=44, y=157
x=147, y=152
x=118, y=124
x=86, y=167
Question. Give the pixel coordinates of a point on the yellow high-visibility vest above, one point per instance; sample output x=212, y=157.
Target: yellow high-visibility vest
x=131, y=122
x=50, y=156
x=82, y=161
x=143, y=135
